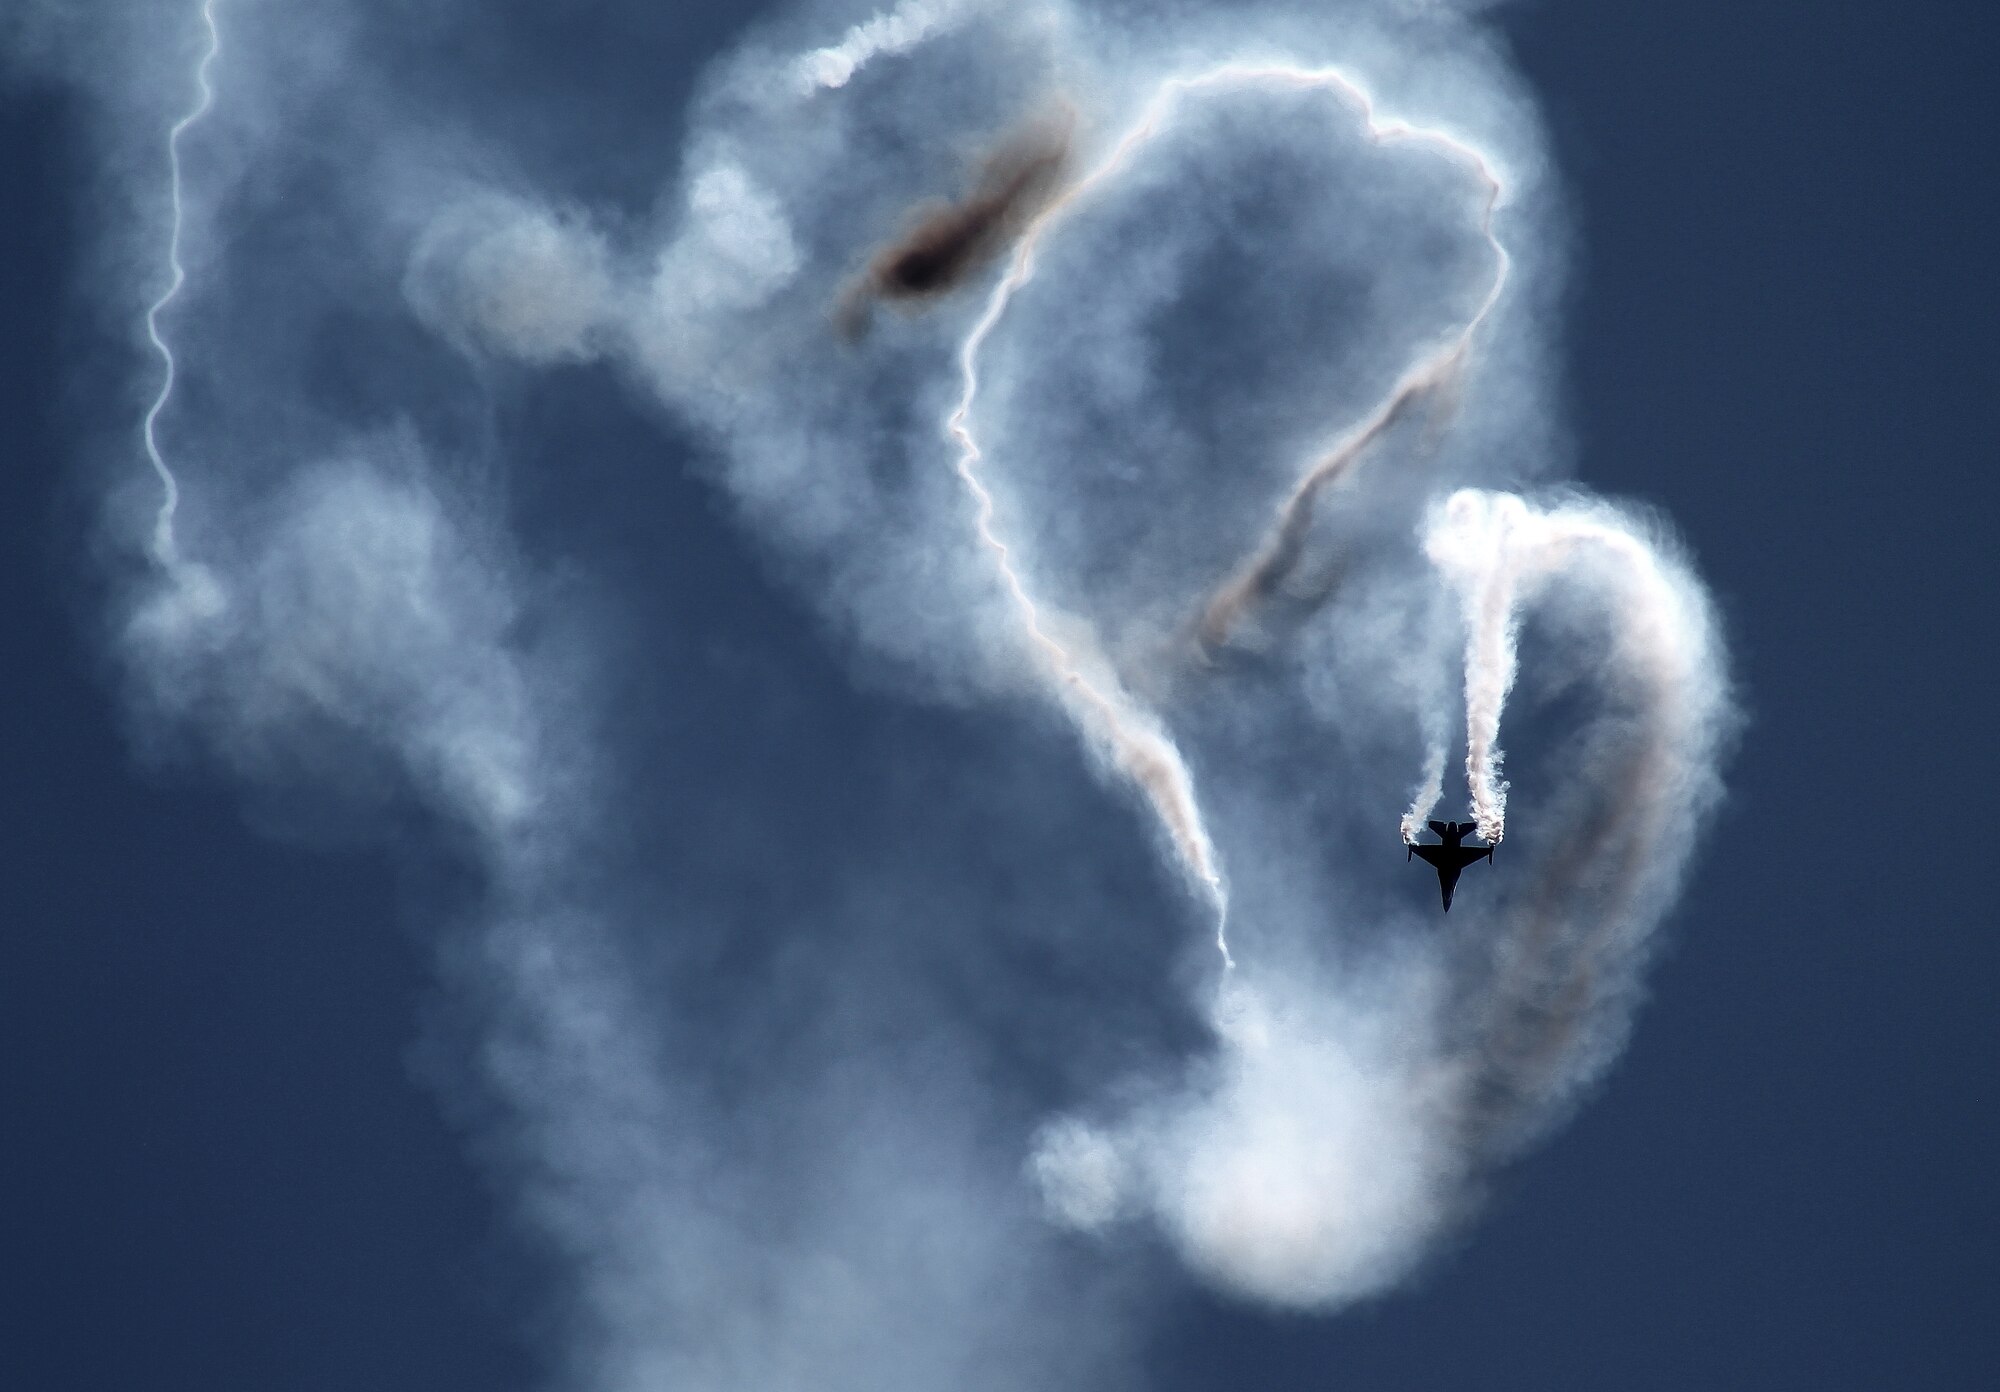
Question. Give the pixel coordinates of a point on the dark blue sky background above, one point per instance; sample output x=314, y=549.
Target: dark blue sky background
x=223, y=1167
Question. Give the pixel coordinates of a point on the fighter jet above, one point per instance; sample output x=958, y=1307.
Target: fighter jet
x=1448, y=856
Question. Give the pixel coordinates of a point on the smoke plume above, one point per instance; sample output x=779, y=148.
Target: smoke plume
x=820, y=991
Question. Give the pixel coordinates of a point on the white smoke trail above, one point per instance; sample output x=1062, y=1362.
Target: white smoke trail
x=1475, y=543
x=164, y=550
x=1109, y=718
x=1495, y=550
x=1138, y=748
x=891, y=32
x=1429, y=792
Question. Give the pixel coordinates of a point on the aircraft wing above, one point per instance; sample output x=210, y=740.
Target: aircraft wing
x=1449, y=857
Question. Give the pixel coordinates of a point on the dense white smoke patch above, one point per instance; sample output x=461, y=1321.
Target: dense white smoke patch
x=735, y=251
x=1222, y=463
x=1307, y=1168
x=515, y=279
x=362, y=610
x=870, y=1245
x=1081, y=1174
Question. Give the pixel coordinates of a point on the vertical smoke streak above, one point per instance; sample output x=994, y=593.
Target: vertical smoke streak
x=164, y=550
x=1431, y=696
x=1474, y=542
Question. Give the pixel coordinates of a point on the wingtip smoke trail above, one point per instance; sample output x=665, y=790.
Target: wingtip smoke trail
x=1489, y=546
x=1429, y=792
x=165, y=552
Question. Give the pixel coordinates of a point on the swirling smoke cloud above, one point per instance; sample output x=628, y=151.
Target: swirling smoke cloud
x=1224, y=464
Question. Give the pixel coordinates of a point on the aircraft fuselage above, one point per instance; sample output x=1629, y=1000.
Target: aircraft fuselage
x=1449, y=857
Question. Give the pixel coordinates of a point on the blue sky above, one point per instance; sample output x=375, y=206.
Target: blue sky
x=268, y=1122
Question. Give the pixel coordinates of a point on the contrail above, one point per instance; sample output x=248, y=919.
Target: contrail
x=1274, y=558
x=1138, y=746
x=163, y=549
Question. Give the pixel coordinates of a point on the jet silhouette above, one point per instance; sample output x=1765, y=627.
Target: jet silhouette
x=1448, y=856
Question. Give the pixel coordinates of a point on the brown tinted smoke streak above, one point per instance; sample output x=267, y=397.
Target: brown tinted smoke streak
x=1564, y=954
x=947, y=243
